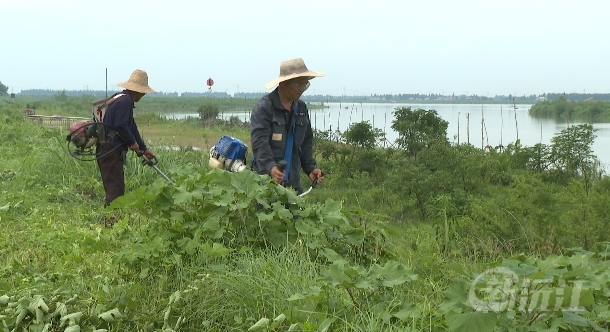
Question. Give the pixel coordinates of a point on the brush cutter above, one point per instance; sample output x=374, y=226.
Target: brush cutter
x=281, y=165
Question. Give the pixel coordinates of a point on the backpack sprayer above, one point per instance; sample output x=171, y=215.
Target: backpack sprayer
x=85, y=134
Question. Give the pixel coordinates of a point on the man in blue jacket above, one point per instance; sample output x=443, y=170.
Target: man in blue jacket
x=280, y=128
x=121, y=134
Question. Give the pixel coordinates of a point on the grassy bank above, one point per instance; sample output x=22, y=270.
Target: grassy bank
x=221, y=252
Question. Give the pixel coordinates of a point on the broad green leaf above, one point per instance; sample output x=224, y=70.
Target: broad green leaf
x=362, y=283
x=176, y=215
x=182, y=197
x=262, y=216
x=553, y=262
x=73, y=328
x=471, y=322
x=260, y=325
x=394, y=273
x=407, y=313
x=524, y=269
x=296, y=297
x=110, y=315
x=39, y=315
x=216, y=250
x=212, y=223
x=71, y=319
x=60, y=311
x=224, y=200
x=576, y=273
x=458, y=290
x=570, y=317
x=459, y=268
x=144, y=273
x=306, y=228
x=161, y=203
x=244, y=182
x=355, y=238
x=331, y=255
x=132, y=199
x=313, y=243
x=325, y=325
x=335, y=273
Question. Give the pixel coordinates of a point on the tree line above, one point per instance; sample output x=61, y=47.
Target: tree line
x=401, y=97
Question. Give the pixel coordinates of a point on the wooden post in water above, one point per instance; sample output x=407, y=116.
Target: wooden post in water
x=468, y=128
x=501, y=127
x=458, y=135
x=324, y=119
x=338, y=117
x=482, y=137
x=516, y=124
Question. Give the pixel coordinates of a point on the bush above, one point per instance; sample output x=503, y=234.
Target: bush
x=208, y=112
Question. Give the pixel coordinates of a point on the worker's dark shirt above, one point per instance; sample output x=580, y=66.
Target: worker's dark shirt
x=269, y=126
x=119, y=118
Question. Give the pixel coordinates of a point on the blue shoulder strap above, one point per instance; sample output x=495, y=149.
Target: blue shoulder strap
x=290, y=141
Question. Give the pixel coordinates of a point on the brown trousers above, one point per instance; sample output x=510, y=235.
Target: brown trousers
x=110, y=161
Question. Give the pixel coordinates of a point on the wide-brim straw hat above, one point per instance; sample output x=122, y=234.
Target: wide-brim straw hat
x=138, y=81
x=292, y=68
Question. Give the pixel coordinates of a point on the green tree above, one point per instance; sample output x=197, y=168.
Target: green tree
x=418, y=129
x=362, y=134
x=61, y=96
x=208, y=111
x=571, y=148
x=3, y=89
x=571, y=152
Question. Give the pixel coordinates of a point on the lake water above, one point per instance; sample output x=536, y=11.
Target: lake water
x=479, y=125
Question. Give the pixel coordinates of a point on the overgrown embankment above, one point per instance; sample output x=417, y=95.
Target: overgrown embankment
x=394, y=240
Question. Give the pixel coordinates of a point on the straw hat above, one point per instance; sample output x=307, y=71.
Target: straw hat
x=138, y=82
x=292, y=68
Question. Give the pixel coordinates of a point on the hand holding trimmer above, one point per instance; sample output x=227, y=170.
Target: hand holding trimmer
x=314, y=183
x=281, y=166
x=152, y=162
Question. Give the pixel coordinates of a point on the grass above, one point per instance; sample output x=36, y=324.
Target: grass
x=55, y=243
x=188, y=134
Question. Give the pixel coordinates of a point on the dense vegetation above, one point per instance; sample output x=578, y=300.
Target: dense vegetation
x=594, y=111
x=414, y=238
x=3, y=90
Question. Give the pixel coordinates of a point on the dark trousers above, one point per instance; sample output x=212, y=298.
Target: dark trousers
x=110, y=161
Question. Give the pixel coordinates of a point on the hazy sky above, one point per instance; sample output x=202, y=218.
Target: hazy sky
x=483, y=47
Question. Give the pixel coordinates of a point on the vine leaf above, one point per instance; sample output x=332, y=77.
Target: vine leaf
x=472, y=321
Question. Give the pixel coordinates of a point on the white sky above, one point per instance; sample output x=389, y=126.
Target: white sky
x=483, y=47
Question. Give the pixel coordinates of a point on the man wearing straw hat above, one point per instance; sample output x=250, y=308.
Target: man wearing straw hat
x=280, y=128
x=121, y=134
